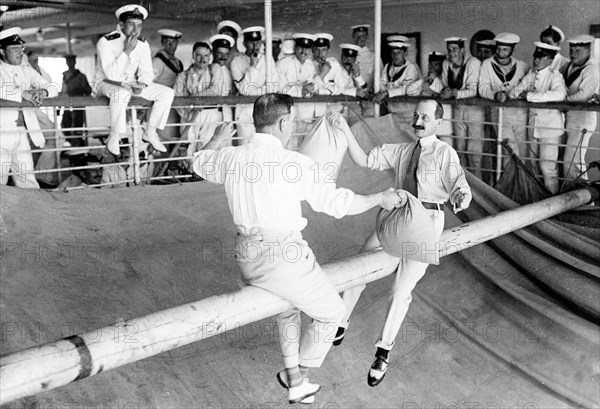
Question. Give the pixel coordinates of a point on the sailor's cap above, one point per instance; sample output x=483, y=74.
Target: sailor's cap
x=558, y=30
x=396, y=38
x=349, y=49
x=399, y=45
x=11, y=36
x=582, y=39
x=361, y=27
x=304, y=40
x=168, y=33
x=435, y=56
x=221, y=40
x=231, y=24
x=455, y=40
x=131, y=11
x=253, y=33
x=507, y=39
x=323, y=40
x=486, y=43
x=542, y=49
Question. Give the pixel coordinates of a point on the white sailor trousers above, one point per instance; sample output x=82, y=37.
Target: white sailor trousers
x=16, y=159
x=577, y=142
x=284, y=264
x=514, y=128
x=119, y=98
x=468, y=128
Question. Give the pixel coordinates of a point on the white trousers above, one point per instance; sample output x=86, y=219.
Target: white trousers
x=201, y=132
x=468, y=128
x=514, y=122
x=16, y=159
x=577, y=142
x=119, y=98
x=286, y=266
x=407, y=276
x=546, y=150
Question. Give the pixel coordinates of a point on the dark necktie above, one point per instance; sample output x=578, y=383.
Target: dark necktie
x=410, y=180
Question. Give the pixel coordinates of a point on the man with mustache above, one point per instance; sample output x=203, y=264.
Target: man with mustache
x=221, y=82
x=543, y=84
x=124, y=68
x=196, y=81
x=248, y=71
x=232, y=29
x=430, y=170
x=365, y=57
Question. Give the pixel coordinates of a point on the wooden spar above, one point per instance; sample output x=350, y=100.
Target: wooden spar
x=61, y=362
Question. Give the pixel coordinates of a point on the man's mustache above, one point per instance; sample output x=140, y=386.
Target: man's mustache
x=419, y=127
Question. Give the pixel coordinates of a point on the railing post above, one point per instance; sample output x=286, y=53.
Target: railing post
x=499, y=143
x=57, y=151
x=134, y=158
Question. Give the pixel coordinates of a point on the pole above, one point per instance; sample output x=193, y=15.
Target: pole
x=61, y=362
x=134, y=158
x=268, y=45
x=377, y=54
x=499, y=144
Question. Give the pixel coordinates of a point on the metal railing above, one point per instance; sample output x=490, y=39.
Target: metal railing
x=135, y=145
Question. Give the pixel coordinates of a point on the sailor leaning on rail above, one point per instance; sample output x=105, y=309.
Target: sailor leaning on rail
x=436, y=177
x=124, y=68
x=582, y=79
x=19, y=83
x=265, y=201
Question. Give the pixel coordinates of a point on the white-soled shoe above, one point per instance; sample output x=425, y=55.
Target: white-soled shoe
x=300, y=394
x=283, y=381
x=112, y=145
x=152, y=138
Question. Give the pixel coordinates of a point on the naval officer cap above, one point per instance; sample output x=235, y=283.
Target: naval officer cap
x=11, y=36
x=361, y=28
x=323, y=40
x=304, y=40
x=398, y=45
x=545, y=50
x=221, y=40
x=507, y=39
x=435, y=56
x=581, y=40
x=556, y=30
x=460, y=41
x=350, y=50
x=253, y=33
x=131, y=11
x=229, y=24
x=396, y=38
x=168, y=33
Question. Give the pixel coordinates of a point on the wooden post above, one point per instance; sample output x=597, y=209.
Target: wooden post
x=61, y=362
x=377, y=55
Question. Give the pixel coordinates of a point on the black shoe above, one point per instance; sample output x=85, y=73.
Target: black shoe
x=339, y=336
x=377, y=371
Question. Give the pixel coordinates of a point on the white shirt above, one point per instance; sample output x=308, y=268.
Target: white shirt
x=112, y=63
x=266, y=183
x=193, y=82
x=366, y=63
x=416, y=88
x=559, y=63
x=250, y=80
x=399, y=86
x=586, y=84
x=490, y=82
x=293, y=75
x=439, y=174
x=162, y=74
x=470, y=79
x=221, y=82
x=14, y=80
x=546, y=85
x=337, y=81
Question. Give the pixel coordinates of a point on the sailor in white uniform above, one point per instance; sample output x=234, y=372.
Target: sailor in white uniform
x=554, y=36
x=124, y=68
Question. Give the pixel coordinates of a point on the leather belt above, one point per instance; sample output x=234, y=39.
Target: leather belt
x=433, y=206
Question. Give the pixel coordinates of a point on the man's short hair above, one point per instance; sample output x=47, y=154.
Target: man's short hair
x=202, y=44
x=550, y=32
x=269, y=108
x=439, y=110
